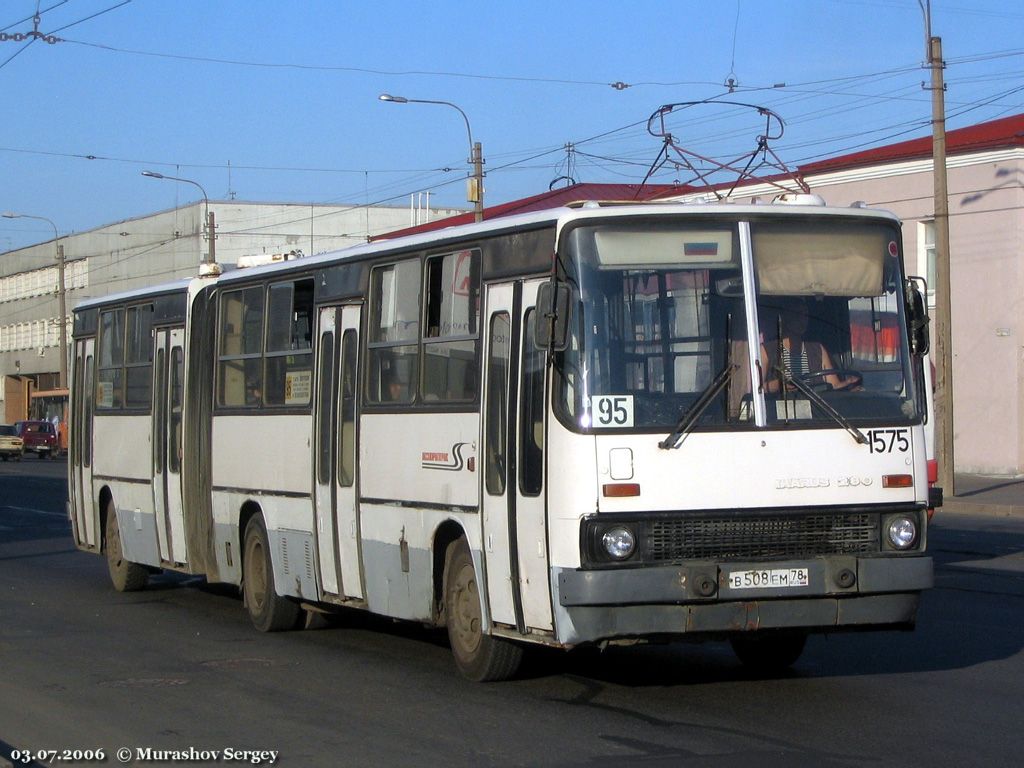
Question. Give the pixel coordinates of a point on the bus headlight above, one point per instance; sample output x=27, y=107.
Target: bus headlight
x=619, y=542
x=902, y=532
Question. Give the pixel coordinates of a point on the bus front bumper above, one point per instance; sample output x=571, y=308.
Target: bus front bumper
x=819, y=595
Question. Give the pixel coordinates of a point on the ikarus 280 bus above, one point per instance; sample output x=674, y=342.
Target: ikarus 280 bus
x=589, y=425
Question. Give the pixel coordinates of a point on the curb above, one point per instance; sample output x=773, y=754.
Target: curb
x=959, y=507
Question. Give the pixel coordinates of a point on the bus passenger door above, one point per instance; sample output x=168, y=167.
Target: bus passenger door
x=530, y=504
x=81, y=444
x=334, y=465
x=168, y=393
x=514, y=521
x=347, y=475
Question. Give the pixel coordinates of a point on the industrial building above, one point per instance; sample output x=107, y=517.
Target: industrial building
x=145, y=251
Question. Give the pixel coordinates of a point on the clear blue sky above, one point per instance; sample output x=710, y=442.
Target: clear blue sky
x=286, y=92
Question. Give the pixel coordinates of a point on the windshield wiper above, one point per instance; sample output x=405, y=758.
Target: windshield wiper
x=818, y=400
x=694, y=412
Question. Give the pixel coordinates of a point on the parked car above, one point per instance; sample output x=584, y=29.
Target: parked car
x=40, y=438
x=11, y=446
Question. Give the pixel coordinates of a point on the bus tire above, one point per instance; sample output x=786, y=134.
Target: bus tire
x=479, y=657
x=769, y=651
x=269, y=611
x=126, y=576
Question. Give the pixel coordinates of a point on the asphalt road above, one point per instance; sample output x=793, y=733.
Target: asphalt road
x=178, y=667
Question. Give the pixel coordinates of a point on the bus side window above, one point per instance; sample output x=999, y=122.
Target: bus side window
x=87, y=416
x=126, y=358
x=288, y=375
x=450, y=352
x=497, y=403
x=531, y=420
x=393, y=340
x=325, y=413
x=177, y=400
x=240, y=375
x=347, y=425
x=110, y=378
x=138, y=357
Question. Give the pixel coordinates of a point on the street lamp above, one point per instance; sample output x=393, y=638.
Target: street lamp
x=475, y=192
x=210, y=226
x=63, y=325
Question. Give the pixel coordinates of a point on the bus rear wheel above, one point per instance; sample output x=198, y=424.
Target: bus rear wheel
x=479, y=656
x=769, y=651
x=126, y=576
x=269, y=611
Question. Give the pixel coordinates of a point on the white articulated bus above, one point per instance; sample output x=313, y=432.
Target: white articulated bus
x=593, y=424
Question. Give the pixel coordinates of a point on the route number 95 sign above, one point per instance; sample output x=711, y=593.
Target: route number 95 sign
x=612, y=411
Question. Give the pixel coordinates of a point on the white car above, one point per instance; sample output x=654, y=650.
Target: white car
x=11, y=446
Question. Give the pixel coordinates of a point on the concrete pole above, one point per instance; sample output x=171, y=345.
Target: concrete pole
x=211, y=230
x=943, y=287
x=63, y=311
x=477, y=198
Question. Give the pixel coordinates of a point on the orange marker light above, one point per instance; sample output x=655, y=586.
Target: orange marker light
x=897, y=481
x=620, y=490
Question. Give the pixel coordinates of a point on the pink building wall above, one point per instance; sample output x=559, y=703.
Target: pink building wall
x=986, y=203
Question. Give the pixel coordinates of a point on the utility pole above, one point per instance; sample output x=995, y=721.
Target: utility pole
x=211, y=230
x=943, y=287
x=476, y=185
x=62, y=295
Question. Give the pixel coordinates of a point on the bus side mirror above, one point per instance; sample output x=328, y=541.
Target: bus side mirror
x=917, y=315
x=551, y=331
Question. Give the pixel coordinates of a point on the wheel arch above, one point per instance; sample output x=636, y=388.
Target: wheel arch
x=105, y=499
x=247, y=512
x=269, y=610
x=446, y=534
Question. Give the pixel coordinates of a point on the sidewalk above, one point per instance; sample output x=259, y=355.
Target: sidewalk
x=986, y=495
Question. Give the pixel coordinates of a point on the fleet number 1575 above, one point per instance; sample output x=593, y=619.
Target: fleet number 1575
x=889, y=440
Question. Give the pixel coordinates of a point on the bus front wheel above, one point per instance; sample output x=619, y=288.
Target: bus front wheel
x=269, y=611
x=126, y=576
x=479, y=656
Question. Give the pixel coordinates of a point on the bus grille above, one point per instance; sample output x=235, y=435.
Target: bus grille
x=759, y=537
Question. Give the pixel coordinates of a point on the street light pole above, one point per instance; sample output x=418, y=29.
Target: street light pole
x=61, y=294
x=209, y=225
x=943, y=287
x=475, y=192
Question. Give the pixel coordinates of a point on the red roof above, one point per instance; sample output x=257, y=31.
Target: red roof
x=550, y=199
x=995, y=134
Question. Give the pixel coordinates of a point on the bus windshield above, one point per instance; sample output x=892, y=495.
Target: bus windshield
x=660, y=327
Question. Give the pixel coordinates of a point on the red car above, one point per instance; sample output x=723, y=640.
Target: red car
x=40, y=438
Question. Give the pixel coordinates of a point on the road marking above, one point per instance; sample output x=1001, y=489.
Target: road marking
x=35, y=511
